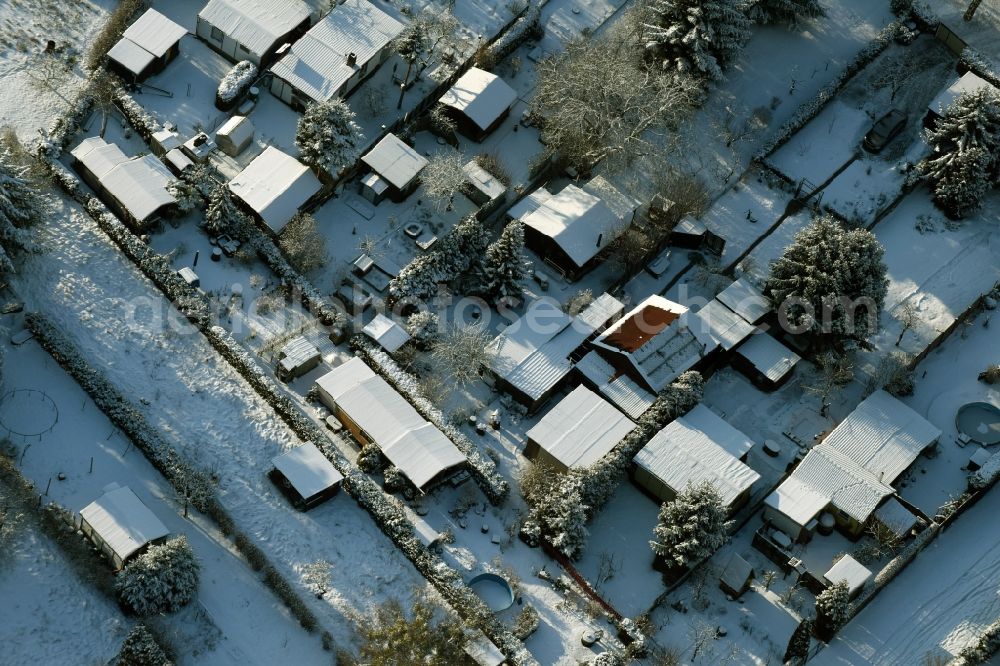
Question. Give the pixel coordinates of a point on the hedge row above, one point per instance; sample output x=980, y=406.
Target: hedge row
x=811, y=108
x=147, y=439
x=312, y=300
x=483, y=470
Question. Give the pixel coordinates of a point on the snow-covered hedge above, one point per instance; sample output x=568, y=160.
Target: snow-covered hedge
x=483, y=470
x=893, y=568
x=236, y=82
x=67, y=124
x=140, y=119
x=518, y=33
x=972, y=60
x=315, y=302
x=987, y=475
x=811, y=108
x=981, y=651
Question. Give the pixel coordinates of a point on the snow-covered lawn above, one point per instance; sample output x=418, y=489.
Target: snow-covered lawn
x=825, y=144
x=30, y=101
x=122, y=324
x=936, y=606
x=244, y=621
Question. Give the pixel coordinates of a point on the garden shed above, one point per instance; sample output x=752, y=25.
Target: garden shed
x=479, y=102
x=296, y=358
x=396, y=167
x=120, y=525
x=306, y=476
x=235, y=135
x=851, y=571
x=146, y=46
x=389, y=335
x=275, y=186
x=765, y=361
x=736, y=577
x=251, y=29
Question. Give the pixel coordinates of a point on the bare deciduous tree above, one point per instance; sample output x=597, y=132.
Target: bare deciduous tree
x=462, y=350
x=443, y=177
x=303, y=245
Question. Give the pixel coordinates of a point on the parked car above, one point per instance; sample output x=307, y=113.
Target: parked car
x=660, y=264
x=884, y=130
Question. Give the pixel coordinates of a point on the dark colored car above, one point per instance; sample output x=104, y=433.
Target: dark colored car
x=884, y=130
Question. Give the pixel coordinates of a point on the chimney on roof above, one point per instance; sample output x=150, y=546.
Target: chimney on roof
x=600, y=237
x=352, y=59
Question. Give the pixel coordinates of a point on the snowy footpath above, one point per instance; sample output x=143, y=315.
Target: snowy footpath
x=121, y=324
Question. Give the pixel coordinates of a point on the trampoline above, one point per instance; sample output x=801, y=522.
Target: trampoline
x=495, y=592
x=979, y=421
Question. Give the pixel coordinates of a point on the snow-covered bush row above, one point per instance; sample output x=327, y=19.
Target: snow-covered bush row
x=517, y=34
x=811, y=108
x=987, y=475
x=236, y=82
x=67, y=124
x=893, y=568
x=312, y=300
x=974, y=61
x=981, y=651
x=484, y=470
x=144, y=123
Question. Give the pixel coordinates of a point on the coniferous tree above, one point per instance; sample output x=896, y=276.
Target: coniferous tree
x=966, y=158
x=327, y=136
x=141, y=649
x=20, y=207
x=691, y=527
x=697, y=37
x=223, y=216
x=830, y=284
x=161, y=580
x=832, y=607
x=798, y=644
x=784, y=11
x=413, y=636
x=560, y=516
x=505, y=267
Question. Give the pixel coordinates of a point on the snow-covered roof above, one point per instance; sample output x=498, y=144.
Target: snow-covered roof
x=699, y=446
x=237, y=130
x=657, y=340
x=140, y=185
x=581, y=223
x=581, y=429
x=131, y=56
x=736, y=573
x=726, y=328
x=387, y=333
x=395, y=161
x=529, y=204
x=256, y=24
x=480, y=96
x=317, y=63
x=275, y=186
x=123, y=522
x=850, y=570
x=773, y=359
x=154, y=32
x=483, y=652
x=882, y=435
x=483, y=180
x=416, y=447
x=896, y=517
x=297, y=352
x=797, y=499
x=746, y=300
x=622, y=205
x=968, y=82
x=307, y=469
x=621, y=390
x=179, y=159
x=532, y=354
x=98, y=156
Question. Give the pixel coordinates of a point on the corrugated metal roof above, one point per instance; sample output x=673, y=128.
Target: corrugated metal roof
x=722, y=325
x=275, y=185
x=416, y=447
x=387, y=333
x=699, y=447
x=620, y=203
x=154, y=32
x=395, y=161
x=307, y=469
x=140, y=185
x=123, y=522
x=130, y=55
x=482, y=97
x=579, y=222
x=541, y=321
x=580, y=429
x=623, y=392
x=256, y=24
x=746, y=300
x=297, y=352
x=773, y=359
x=317, y=63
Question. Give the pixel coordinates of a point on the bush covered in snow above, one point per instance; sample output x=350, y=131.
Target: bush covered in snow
x=161, y=580
x=691, y=527
x=455, y=255
x=832, y=610
x=697, y=37
x=505, y=266
x=526, y=623
x=141, y=649
x=423, y=327
x=327, y=137
x=982, y=650
x=234, y=84
x=20, y=208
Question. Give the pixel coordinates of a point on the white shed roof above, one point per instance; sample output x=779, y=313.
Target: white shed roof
x=237, y=129
x=317, y=63
x=275, y=185
x=529, y=204
x=140, y=185
x=580, y=429
x=416, y=447
x=746, y=300
x=98, y=156
x=122, y=521
x=387, y=333
x=307, y=469
x=130, y=55
x=483, y=180
x=773, y=359
x=581, y=223
x=395, y=161
x=154, y=32
x=896, y=517
x=968, y=82
x=722, y=325
x=699, y=447
x=850, y=570
x=623, y=392
x=256, y=24
x=480, y=96
x=797, y=499
x=541, y=321
x=297, y=352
